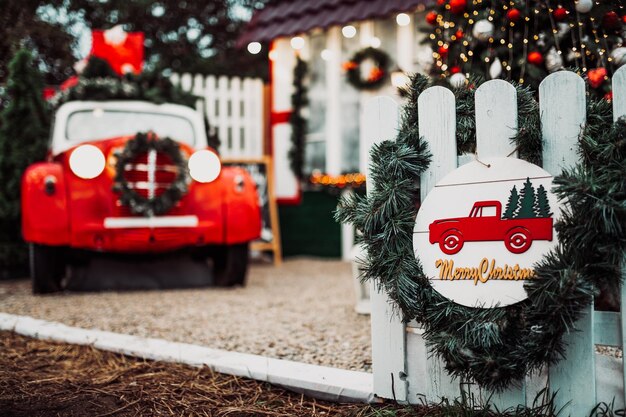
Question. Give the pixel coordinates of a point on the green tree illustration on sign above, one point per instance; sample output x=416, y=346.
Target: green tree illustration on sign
x=512, y=205
x=543, y=206
x=528, y=204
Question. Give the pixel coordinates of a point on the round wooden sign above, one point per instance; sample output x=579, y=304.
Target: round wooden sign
x=479, y=232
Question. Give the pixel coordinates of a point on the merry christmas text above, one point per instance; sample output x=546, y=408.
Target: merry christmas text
x=485, y=271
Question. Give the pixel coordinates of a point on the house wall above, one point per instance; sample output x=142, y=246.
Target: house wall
x=334, y=105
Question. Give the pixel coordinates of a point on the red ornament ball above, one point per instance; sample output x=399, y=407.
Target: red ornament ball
x=596, y=77
x=459, y=34
x=443, y=51
x=458, y=6
x=535, y=58
x=455, y=69
x=514, y=15
x=560, y=14
x=441, y=2
x=610, y=21
x=431, y=18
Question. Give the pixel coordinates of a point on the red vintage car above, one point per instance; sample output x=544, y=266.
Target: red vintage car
x=484, y=224
x=135, y=177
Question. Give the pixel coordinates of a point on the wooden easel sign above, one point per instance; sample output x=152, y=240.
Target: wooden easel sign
x=262, y=172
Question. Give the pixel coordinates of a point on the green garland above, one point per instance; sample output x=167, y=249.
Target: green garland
x=496, y=347
x=143, y=143
x=99, y=82
x=297, y=120
x=381, y=64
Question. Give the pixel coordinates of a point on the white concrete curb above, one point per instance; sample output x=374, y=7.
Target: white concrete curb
x=317, y=381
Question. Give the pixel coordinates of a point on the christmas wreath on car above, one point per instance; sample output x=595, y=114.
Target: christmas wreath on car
x=377, y=72
x=144, y=143
x=498, y=346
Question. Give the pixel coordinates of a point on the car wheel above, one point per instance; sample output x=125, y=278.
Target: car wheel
x=518, y=240
x=47, y=268
x=451, y=242
x=231, y=265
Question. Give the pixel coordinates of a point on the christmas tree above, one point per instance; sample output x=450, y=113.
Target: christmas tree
x=527, y=201
x=24, y=125
x=524, y=41
x=512, y=205
x=542, y=206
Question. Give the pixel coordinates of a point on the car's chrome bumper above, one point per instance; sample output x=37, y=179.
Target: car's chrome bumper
x=150, y=222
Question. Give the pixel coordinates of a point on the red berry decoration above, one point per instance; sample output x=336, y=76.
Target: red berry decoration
x=610, y=21
x=458, y=6
x=535, y=58
x=455, y=69
x=560, y=14
x=514, y=15
x=431, y=18
x=443, y=51
x=596, y=76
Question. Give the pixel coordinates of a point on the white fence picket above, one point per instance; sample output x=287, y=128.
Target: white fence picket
x=619, y=93
x=563, y=113
x=210, y=99
x=381, y=121
x=186, y=82
x=437, y=126
x=234, y=109
x=235, y=117
x=496, y=124
x=619, y=110
x=223, y=127
x=496, y=119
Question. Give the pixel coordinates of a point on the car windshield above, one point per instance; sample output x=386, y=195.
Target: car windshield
x=98, y=123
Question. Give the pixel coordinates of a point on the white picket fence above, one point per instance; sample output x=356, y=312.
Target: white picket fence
x=234, y=107
x=401, y=364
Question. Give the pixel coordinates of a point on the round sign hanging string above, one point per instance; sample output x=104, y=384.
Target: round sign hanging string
x=494, y=346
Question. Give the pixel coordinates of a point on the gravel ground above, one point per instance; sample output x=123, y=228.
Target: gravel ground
x=303, y=311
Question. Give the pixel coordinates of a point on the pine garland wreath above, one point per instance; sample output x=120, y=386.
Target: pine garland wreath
x=298, y=122
x=138, y=204
x=377, y=74
x=498, y=346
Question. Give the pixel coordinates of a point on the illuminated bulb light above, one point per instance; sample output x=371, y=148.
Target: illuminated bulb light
x=403, y=19
x=297, y=42
x=326, y=54
x=272, y=55
x=254, y=48
x=375, y=42
x=348, y=31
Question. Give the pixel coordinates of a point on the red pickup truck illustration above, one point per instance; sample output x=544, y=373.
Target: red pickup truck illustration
x=486, y=224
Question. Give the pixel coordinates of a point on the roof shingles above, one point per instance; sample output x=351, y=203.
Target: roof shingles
x=290, y=17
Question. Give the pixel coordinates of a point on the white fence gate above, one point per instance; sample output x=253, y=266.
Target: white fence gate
x=401, y=364
x=234, y=107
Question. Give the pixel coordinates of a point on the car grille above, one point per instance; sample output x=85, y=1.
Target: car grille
x=150, y=174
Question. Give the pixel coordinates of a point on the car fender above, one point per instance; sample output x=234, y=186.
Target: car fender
x=242, y=213
x=45, y=214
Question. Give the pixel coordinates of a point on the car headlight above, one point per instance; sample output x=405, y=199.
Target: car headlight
x=87, y=162
x=204, y=166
